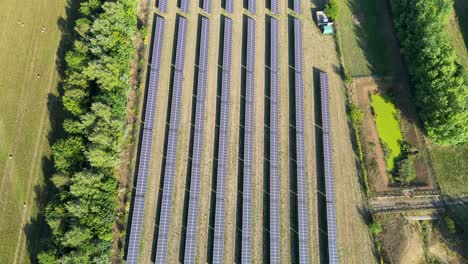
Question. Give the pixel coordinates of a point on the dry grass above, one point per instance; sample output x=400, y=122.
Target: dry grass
x=24, y=119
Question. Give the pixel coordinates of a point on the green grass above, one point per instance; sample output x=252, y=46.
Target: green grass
x=451, y=168
x=457, y=30
x=370, y=47
x=388, y=127
x=24, y=118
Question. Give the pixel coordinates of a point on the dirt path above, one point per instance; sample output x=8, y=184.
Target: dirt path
x=360, y=90
x=258, y=158
x=283, y=104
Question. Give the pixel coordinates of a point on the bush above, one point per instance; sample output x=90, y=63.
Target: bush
x=375, y=228
x=331, y=9
x=405, y=170
x=441, y=94
x=82, y=213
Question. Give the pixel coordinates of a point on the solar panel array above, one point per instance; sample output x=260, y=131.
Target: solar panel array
x=230, y=6
x=207, y=6
x=297, y=6
x=252, y=6
x=147, y=142
x=274, y=146
x=185, y=5
x=162, y=5
x=218, y=243
x=300, y=157
x=328, y=165
x=246, y=248
x=274, y=7
x=166, y=203
x=192, y=217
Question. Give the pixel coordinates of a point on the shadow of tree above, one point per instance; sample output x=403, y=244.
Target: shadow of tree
x=461, y=10
x=37, y=232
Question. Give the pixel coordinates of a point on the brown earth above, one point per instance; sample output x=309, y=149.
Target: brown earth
x=411, y=129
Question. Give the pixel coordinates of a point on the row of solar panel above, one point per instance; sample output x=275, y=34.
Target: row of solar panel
x=218, y=243
x=146, y=144
x=328, y=169
x=274, y=143
x=300, y=155
x=248, y=143
x=274, y=7
x=192, y=217
x=171, y=152
x=297, y=6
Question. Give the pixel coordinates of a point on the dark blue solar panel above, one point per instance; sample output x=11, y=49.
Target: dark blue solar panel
x=171, y=152
x=274, y=7
x=252, y=6
x=146, y=144
x=297, y=6
x=218, y=243
x=185, y=5
x=230, y=6
x=162, y=5
x=274, y=146
x=192, y=218
x=246, y=247
x=207, y=6
x=328, y=169
x=300, y=157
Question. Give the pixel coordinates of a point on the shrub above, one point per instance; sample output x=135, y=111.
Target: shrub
x=331, y=9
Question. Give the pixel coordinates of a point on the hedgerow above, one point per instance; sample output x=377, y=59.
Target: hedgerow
x=440, y=91
x=81, y=213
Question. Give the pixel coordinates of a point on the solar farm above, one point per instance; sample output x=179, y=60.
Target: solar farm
x=228, y=161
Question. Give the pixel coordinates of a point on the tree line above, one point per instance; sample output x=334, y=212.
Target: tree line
x=438, y=78
x=81, y=212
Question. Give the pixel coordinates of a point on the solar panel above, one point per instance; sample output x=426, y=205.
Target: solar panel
x=207, y=6
x=192, y=217
x=162, y=5
x=252, y=6
x=218, y=243
x=230, y=6
x=274, y=143
x=297, y=6
x=171, y=152
x=300, y=156
x=274, y=7
x=185, y=5
x=146, y=144
x=246, y=247
x=328, y=169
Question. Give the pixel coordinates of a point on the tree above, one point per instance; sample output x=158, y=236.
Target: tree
x=68, y=154
x=331, y=9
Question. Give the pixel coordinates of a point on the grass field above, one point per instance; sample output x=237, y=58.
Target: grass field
x=366, y=37
x=451, y=168
x=28, y=91
x=388, y=127
x=458, y=31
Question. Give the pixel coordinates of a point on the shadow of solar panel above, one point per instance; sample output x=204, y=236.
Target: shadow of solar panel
x=146, y=143
x=192, y=218
x=166, y=203
x=218, y=240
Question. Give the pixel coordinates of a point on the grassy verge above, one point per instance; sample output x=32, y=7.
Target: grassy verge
x=451, y=168
x=388, y=127
x=363, y=33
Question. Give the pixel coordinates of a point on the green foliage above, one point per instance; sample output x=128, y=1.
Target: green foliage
x=450, y=224
x=441, y=94
x=82, y=213
x=405, y=170
x=331, y=9
x=355, y=114
x=375, y=228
